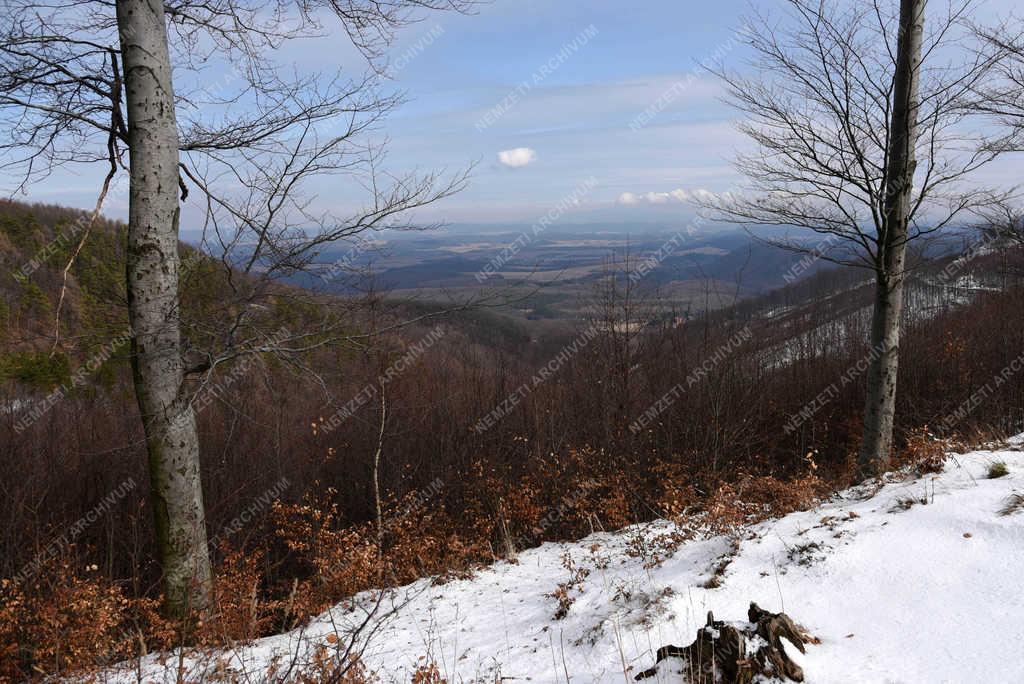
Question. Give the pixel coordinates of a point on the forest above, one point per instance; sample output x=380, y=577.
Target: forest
x=220, y=423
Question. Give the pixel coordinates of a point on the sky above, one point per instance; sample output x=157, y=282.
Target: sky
x=571, y=91
x=544, y=97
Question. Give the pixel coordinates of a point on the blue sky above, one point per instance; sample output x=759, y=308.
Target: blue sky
x=618, y=61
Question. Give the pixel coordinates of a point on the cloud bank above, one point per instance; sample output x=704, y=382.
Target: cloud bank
x=677, y=196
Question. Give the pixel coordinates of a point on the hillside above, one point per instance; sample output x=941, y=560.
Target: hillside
x=626, y=416
x=468, y=342
x=889, y=580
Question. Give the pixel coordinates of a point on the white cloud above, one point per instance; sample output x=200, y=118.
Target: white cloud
x=703, y=195
x=677, y=196
x=519, y=156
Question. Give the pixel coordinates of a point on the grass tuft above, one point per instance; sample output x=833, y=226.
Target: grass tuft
x=997, y=469
x=1013, y=504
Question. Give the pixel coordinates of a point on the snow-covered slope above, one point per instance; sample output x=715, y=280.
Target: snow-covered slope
x=920, y=582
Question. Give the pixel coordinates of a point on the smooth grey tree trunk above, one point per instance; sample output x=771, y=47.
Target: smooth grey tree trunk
x=152, y=280
x=880, y=406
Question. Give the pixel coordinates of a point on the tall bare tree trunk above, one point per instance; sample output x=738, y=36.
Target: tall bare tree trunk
x=152, y=276
x=378, y=509
x=880, y=407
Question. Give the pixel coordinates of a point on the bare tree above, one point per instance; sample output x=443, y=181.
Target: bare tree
x=1004, y=98
x=90, y=80
x=880, y=404
x=153, y=311
x=861, y=121
x=1002, y=224
x=1004, y=101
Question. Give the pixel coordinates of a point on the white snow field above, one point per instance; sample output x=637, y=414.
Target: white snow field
x=921, y=582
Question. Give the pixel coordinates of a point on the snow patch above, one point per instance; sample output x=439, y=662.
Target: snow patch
x=928, y=592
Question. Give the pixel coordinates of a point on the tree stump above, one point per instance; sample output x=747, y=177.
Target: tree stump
x=725, y=653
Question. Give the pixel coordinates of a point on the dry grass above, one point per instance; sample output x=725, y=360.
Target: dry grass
x=997, y=469
x=1014, y=504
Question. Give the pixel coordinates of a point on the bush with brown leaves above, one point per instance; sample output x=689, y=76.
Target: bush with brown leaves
x=66, y=617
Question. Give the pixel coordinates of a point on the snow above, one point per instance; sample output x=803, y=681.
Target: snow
x=919, y=582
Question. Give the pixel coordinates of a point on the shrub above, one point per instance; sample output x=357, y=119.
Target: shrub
x=563, y=592
x=754, y=499
x=67, y=618
x=427, y=673
x=924, y=452
x=241, y=610
x=327, y=665
x=37, y=369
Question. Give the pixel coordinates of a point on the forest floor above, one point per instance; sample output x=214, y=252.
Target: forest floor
x=914, y=580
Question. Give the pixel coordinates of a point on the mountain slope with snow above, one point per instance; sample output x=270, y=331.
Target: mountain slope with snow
x=918, y=581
